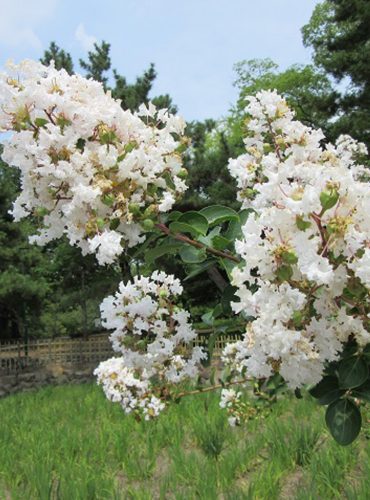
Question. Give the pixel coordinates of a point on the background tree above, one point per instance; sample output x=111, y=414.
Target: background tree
x=79, y=285
x=98, y=62
x=308, y=91
x=339, y=33
x=62, y=59
x=24, y=268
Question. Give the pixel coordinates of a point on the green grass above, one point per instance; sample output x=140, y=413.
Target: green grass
x=69, y=443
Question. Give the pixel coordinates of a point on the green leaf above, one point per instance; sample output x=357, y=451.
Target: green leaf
x=207, y=240
x=174, y=215
x=328, y=199
x=201, y=268
x=244, y=214
x=352, y=372
x=362, y=392
x=216, y=214
x=289, y=257
x=180, y=227
x=169, y=181
x=217, y=311
x=343, y=419
x=211, y=346
x=100, y=223
x=108, y=199
x=196, y=220
x=114, y=223
x=284, y=273
x=228, y=296
x=366, y=351
x=207, y=318
x=234, y=230
x=192, y=255
x=228, y=265
x=80, y=144
x=220, y=243
x=40, y=122
x=298, y=393
x=141, y=248
x=154, y=253
x=327, y=390
x=326, y=384
x=301, y=223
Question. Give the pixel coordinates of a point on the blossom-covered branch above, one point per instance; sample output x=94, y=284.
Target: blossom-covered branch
x=155, y=340
x=90, y=170
x=306, y=246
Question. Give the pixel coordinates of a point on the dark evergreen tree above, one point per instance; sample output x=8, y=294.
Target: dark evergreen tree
x=24, y=268
x=339, y=33
x=98, y=63
x=61, y=58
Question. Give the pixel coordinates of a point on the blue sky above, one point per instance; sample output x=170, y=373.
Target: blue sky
x=193, y=43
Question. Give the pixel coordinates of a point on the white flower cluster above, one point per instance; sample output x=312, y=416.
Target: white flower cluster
x=154, y=337
x=122, y=385
x=305, y=246
x=90, y=170
x=230, y=400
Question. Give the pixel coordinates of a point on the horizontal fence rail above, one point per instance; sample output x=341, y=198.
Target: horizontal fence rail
x=17, y=356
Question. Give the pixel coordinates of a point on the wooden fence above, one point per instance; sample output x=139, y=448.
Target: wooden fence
x=63, y=350
x=16, y=356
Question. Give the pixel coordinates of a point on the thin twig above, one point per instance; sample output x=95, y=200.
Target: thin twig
x=213, y=387
x=317, y=219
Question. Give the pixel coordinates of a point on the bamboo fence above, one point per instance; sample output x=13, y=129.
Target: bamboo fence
x=17, y=356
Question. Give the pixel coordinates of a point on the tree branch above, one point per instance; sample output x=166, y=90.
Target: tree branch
x=197, y=244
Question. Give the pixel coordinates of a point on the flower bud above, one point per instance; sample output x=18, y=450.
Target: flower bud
x=183, y=173
x=147, y=224
x=329, y=198
x=134, y=208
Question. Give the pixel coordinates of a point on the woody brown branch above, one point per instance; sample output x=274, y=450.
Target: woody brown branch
x=196, y=244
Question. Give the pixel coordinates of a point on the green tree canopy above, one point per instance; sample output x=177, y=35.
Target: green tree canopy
x=24, y=268
x=98, y=65
x=339, y=33
x=61, y=58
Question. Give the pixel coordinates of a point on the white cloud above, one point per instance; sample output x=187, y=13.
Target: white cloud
x=19, y=20
x=86, y=41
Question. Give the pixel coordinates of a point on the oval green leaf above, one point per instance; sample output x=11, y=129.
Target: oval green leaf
x=154, y=253
x=181, y=227
x=343, y=419
x=362, y=392
x=196, y=220
x=352, y=372
x=216, y=214
x=327, y=391
x=192, y=255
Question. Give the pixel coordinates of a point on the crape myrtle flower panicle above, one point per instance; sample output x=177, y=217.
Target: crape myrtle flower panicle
x=305, y=246
x=89, y=169
x=154, y=338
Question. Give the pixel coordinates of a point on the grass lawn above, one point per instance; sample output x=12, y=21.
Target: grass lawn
x=70, y=443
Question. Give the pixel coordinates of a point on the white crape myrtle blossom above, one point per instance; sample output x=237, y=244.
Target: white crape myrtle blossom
x=89, y=169
x=122, y=385
x=305, y=274
x=154, y=338
x=229, y=400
